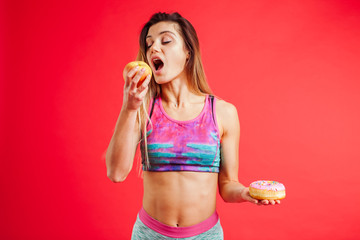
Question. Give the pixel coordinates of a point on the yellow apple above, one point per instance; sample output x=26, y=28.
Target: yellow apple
x=141, y=65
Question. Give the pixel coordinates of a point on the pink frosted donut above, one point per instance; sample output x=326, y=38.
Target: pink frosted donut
x=270, y=190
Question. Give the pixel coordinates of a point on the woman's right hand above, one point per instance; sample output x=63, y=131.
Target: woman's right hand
x=133, y=95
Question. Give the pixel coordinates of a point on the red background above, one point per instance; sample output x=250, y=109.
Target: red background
x=290, y=67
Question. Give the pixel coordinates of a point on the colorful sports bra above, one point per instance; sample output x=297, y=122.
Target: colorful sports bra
x=174, y=145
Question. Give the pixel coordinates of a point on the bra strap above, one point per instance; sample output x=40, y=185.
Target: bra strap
x=212, y=107
x=151, y=110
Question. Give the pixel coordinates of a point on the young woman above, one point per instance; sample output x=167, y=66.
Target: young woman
x=189, y=139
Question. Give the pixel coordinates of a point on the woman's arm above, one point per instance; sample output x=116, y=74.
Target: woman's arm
x=231, y=190
x=122, y=147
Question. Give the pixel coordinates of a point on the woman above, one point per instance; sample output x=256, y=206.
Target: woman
x=189, y=143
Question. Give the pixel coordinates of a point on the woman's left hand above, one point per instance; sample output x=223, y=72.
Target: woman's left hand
x=246, y=196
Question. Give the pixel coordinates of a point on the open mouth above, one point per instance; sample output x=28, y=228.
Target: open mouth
x=158, y=64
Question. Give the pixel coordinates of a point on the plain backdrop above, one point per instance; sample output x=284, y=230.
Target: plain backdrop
x=291, y=68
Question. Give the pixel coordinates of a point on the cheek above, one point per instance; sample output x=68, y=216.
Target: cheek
x=148, y=57
x=181, y=60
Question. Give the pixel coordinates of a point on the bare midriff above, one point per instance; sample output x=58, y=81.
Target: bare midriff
x=180, y=199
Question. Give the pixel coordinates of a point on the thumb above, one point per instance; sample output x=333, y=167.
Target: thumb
x=247, y=197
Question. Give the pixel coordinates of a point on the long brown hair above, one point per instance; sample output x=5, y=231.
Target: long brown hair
x=193, y=67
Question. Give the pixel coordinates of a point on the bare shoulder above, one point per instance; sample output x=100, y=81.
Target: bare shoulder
x=227, y=116
x=225, y=109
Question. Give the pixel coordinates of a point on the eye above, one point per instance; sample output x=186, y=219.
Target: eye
x=149, y=43
x=166, y=40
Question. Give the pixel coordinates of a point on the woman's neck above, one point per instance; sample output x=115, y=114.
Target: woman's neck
x=177, y=93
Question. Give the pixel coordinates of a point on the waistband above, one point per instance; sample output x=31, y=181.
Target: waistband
x=178, y=232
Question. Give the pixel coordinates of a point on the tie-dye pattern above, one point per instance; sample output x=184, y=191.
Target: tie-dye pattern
x=174, y=145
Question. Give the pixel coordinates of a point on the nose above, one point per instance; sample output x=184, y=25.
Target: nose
x=155, y=47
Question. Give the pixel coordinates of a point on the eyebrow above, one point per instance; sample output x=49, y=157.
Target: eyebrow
x=148, y=36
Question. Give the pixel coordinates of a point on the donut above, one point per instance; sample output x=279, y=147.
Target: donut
x=267, y=190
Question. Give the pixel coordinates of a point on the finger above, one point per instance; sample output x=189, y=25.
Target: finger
x=145, y=83
x=252, y=200
x=130, y=74
x=272, y=202
x=142, y=94
x=247, y=197
x=136, y=78
x=265, y=202
x=278, y=201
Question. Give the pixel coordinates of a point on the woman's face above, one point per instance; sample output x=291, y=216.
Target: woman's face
x=166, y=52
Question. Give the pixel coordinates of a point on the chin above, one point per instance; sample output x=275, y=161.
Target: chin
x=161, y=79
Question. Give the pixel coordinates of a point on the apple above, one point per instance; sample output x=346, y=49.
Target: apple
x=141, y=65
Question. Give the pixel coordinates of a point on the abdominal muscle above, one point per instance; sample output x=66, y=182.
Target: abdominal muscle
x=180, y=199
